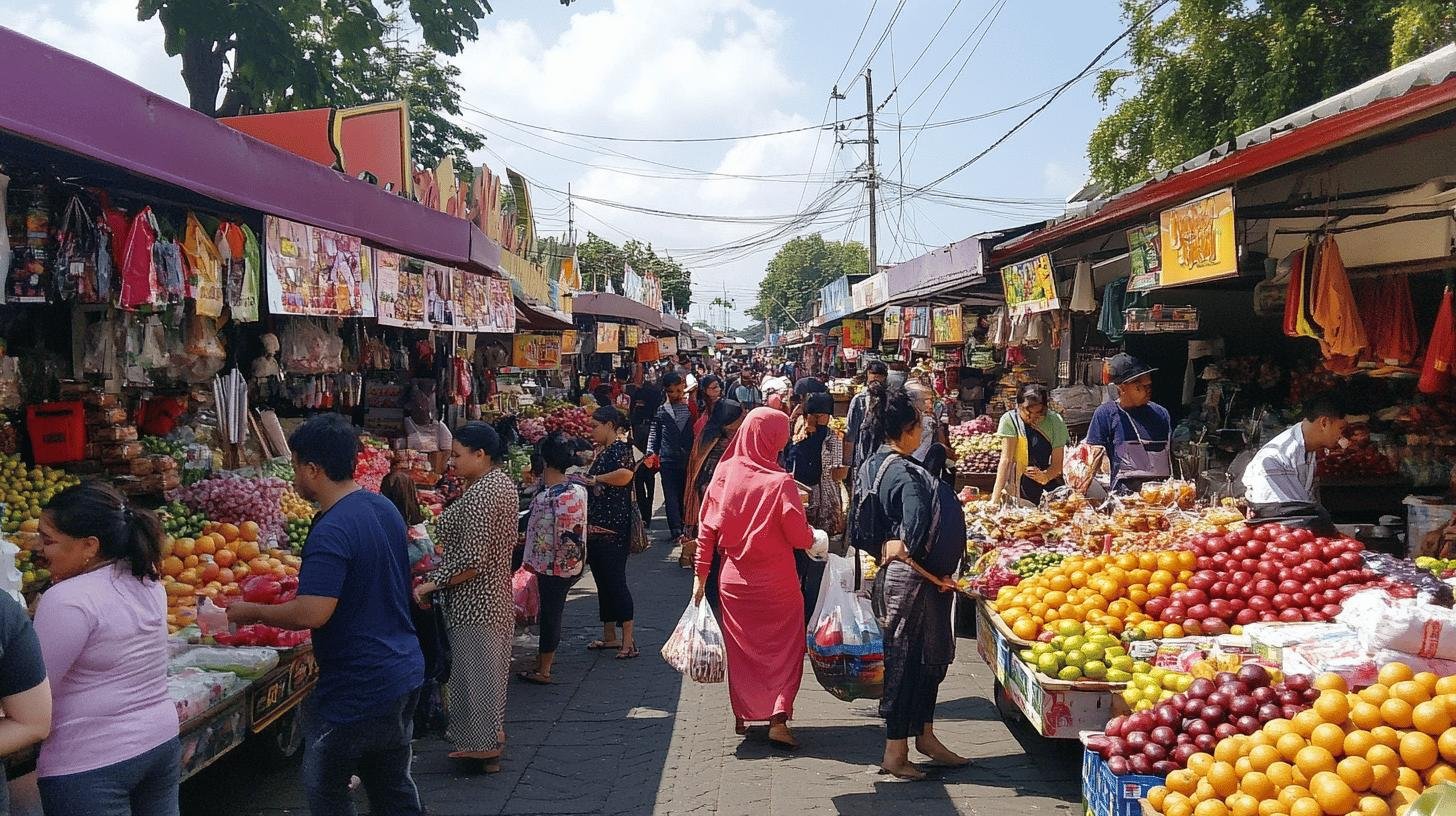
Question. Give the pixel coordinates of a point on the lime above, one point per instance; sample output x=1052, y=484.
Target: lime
x=1095, y=669
x=1069, y=627
x=1074, y=658
x=1048, y=664
x=1141, y=667
x=1027, y=655
x=1113, y=650
x=1097, y=631
x=1074, y=642
x=1116, y=675
x=1121, y=663
x=1040, y=648
x=1070, y=673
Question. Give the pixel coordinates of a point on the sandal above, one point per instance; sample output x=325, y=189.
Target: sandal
x=629, y=653
x=602, y=645
x=535, y=677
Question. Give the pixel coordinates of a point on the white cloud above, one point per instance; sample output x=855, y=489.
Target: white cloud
x=1060, y=180
x=107, y=33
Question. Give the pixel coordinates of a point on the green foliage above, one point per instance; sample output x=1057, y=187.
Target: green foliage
x=1213, y=69
x=798, y=271
x=602, y=265
x=281, y=55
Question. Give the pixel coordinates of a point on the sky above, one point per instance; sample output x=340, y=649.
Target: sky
x=675, y=69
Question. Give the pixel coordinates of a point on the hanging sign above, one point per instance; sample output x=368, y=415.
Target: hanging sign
x=1030, y=287
x=917, y=322
x=569, y=341
x=1197, y=240
x=439, y=301
x=608, y=337
x=649, y=351
x=1144, y=253
x=946, y=327
x=667, y=346
x=630, y=337
x=400, y=290
x=893, y=328
x=314, y=271
x=500, y=307
x=856, y=334
x=537, y=351
x=835, y=300
x=470, y=299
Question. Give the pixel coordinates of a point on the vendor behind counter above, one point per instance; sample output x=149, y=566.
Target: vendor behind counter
x=1279, y=482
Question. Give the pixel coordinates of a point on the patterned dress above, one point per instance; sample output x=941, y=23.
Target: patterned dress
x=478, y=532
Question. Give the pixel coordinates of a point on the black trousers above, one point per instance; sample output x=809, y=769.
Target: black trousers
x=645, y=487
x=553, y=590
x=607, y=556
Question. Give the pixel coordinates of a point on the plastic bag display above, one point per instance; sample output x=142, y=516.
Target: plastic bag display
x=245, y=661
x=1411, y=580
x=696, y=648
x=527, y=596
x=308, y=348
x=845, y=646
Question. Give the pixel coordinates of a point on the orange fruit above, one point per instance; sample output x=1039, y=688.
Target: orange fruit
x=1223, y=779
x=183, y=547
x=205, y=546
x=1446, y=745
x=1313, y=759
x=228, y=531
x=1403, y=795
x=1446, y=685
x=1178, y=807
x=1439, y=773
x=1278, y=727
x=1373, y=806
x=1381, y=754
x=1243, y=767
x=241, y=571
x=1383, y=779
x=248, y=531
x=171, y=565
x=1211, y=807
x=1396, y=712
x=1431, y=717
x=1332, y=707
x=1272, y=807
x=1418, y=750
x=1281, y=774
x=225, y=576
x=188, y=576
x=247, y=550
x=1357, y=743
x=191, y=561
x=1262, y=756
x=1410, y=691
x=209, y=571
x=1365, y=715
x=1291, y=794
x=1306, y=806
x=1183, y=781
x=224, y=557
x=1357, y=773
x=1332, y=793
x=1305, y=721
x=1329, y=737
x=1289, y=746
x=1257, y=785
x=1242, y=804
x=1024, y=628
x=1385, y=735
x=1408, y=778
x=1331, y=681
x=1449, y=701
x=1156, y=796
x=1392, y=673
x=1226, y=751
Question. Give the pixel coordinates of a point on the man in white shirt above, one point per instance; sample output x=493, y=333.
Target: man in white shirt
x=1279, y=481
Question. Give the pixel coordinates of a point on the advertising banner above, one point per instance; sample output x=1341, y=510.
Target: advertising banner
x=1144, y=254
x=439, y=294
x=609, y=337
x=1197, y=240
x=631, y=336
x=536, y=350
x=667, y=346
x=835, y=300
x=856, y=334
x=946, y=326
x=314, y=271
x=893, y=327
x=400, y=290
x=1030, y=286
x=870, y=292
x=569, y=341
x=917, y=322
x=500, y=307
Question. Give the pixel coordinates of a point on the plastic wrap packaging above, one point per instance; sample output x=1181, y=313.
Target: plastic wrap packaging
x=845, y=645
x=527, y=596
x=308, y=348
x=1422, y=585
x=1344, y=655
x=194, y=691
x=1404, y=625
x=10, y=577
x=696, y=647
x=244, y=661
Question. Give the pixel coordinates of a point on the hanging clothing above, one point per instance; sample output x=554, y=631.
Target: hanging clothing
x=139, y=283
x=1390, y=319
x=1441, y=351
x=1304, y=322
x=1294, y=262
x=1112, y=321
x=1084, y=298
x=753, y=515
x=1334, y=307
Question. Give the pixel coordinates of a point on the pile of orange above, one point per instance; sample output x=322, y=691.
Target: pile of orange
x=1104, y=590
x=214, y=563
x=1369, y=753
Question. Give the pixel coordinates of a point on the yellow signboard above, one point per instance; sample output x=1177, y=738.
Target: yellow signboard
x=1198, y=241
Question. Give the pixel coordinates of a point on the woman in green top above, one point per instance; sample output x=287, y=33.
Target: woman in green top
x=1033, y=443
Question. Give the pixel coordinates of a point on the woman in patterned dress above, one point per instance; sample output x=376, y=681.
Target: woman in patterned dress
x=609, y=515
x=478, y=534
x=555, y=544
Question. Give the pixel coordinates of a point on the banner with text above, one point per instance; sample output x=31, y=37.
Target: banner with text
x=1197, y=240
x=314, y=271
x=1030, y=286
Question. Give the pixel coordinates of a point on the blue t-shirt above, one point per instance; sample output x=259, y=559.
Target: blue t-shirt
x=368, y=655
x=1110, y=428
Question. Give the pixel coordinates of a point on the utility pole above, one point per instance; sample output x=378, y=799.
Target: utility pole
x=873, y=179
x=570, y=217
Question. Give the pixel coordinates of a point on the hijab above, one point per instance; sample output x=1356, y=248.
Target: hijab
x=751, y=501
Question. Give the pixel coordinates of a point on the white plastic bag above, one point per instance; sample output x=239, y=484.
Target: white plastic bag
x=696, y=647
x=846, y=647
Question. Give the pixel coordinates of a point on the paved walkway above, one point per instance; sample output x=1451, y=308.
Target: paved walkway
x=631, y=737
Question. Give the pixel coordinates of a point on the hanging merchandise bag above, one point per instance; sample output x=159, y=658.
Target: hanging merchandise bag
x=139, y=286
x=205, y=265
x=696, y=648
x=845, y=646
x=1436, y=372
x=527, y=596
x=74, y=273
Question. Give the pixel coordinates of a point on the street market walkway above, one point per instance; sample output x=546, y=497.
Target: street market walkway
x=631, y=737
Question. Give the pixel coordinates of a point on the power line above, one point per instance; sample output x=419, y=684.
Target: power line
x=923, y=51
x=883, y=36
x=977, y=27
x=665, y=140
x=857, y=39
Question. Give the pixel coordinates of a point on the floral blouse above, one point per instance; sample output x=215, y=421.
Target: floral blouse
x=478, y=532
x=556, y=531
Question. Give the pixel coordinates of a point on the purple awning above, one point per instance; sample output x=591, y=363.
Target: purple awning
x=61, y=100
x=608, y=305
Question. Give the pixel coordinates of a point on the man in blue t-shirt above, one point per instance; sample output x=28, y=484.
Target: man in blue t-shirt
x=354, y=593
x=1134, y=433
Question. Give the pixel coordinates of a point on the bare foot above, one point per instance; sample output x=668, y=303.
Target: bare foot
x=905, y=771
x=939, y=754
x=780, y=735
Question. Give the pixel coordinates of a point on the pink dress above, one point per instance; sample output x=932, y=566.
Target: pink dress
x=753, y=515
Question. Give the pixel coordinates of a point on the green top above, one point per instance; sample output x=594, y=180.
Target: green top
x=1051, y=426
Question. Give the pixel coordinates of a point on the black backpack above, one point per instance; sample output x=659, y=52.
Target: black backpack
x=869, y=525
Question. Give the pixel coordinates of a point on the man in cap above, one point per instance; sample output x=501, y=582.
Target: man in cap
x=1134, y=433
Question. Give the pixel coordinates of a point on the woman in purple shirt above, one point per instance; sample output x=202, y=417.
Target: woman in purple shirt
x=113, y=748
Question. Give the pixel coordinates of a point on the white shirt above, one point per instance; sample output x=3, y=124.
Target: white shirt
x=1282, y=470
x=427, y=438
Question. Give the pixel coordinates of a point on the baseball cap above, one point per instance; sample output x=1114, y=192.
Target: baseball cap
x=1124, y=368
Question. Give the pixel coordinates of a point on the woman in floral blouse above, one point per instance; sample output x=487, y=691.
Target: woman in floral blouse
x=555, y=544
x=478, y=534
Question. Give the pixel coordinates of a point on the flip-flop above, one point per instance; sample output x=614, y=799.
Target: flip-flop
x=602, y=646
x=629, y=654
x=534, y=677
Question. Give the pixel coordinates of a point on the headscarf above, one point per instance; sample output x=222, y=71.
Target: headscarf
x=751, y=499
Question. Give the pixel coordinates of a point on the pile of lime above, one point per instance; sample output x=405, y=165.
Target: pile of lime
x=1034, y=563
x=1151, y=685
x=1078, y=651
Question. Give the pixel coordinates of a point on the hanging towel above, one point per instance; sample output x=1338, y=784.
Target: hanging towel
x=1436, y=373
x=1334, y=306
x=1112, y=321
x=1084, y=298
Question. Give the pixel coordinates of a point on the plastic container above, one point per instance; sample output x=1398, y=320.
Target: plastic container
x=57, y=432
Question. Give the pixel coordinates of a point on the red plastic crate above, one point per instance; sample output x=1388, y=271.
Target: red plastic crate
x=57, y=432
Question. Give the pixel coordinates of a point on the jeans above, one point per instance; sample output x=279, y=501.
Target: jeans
x=645, y=487
x=553, y=589
x=377, y=749
x=674, y=481
x=145, y=785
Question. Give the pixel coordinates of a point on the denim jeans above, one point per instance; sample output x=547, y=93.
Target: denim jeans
x=377, y=749
x=674, y=480
x=145, y=785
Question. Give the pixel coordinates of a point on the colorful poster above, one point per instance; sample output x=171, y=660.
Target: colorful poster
x=856, y=334
x=1197, y=240
x=500, y=317
x=648, y=351
x=631, y=337
x=439, y=300
x=917, y=322
x=946, y=328
x=609, y=337
x=1144, y=254
x=537, y=351
x=569, y=341
x=667, y=346
x=400, y=290
x=894, y=326
x=314, y=271
x=470, y=300
x=1030, y=287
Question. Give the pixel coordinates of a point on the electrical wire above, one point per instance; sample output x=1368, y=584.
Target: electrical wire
x=666, y=140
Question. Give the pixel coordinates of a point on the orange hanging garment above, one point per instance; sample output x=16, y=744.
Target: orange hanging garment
x=1436, y=373
x=1334, y=306
x=1390, y=320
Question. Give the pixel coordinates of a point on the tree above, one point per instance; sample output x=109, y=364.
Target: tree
x=1213, y=69
x=286, y=49
x=798, y=271
x=603, y=264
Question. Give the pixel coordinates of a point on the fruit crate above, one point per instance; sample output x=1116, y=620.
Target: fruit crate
x=1107, y=794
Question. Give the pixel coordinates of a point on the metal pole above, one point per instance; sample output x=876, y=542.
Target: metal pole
x=873, y=181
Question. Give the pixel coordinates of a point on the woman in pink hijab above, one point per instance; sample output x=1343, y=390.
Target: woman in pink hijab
x=753, y=514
